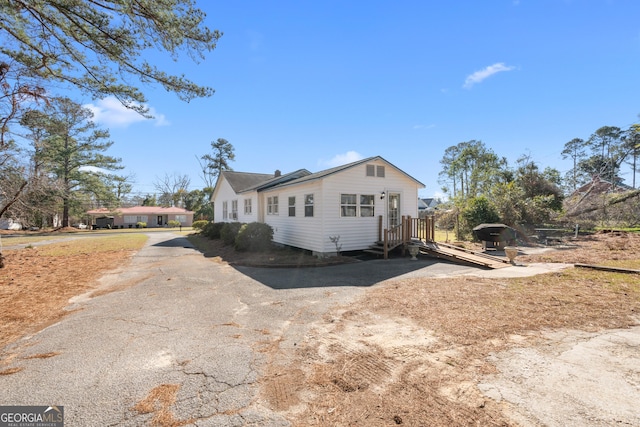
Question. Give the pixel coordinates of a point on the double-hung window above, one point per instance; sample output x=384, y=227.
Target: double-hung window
x=292, y=206
x=234, y=210
x=348, y=204
x=272, y=205
x=367, y=202
x=225, y=210
x=308, y=205
x=247, y=206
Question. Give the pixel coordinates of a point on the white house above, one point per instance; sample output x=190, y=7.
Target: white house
x=339, y=207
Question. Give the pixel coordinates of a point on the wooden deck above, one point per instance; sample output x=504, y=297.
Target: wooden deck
x=421, y=231
x=462, y=256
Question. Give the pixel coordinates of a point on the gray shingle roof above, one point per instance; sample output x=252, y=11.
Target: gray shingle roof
x=241, y=181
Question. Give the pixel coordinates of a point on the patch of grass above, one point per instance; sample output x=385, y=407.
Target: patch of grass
x=30, y=239
x=119, y=242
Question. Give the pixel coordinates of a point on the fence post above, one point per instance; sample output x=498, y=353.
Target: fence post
x=384, y=241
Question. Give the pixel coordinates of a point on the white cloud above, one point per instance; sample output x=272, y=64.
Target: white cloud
x=342, y=159
x=111, y=112
x=480, y=75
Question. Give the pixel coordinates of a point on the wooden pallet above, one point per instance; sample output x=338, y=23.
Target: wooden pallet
x=462, y=255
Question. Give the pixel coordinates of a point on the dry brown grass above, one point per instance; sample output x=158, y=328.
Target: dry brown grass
x=354, y=375
x=158, y=401
x=37, y=283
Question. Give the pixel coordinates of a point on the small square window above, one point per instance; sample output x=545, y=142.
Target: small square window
x=371, y=170
x=380, y=171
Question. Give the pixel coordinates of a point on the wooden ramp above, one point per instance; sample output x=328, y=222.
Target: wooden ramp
x=462, y=255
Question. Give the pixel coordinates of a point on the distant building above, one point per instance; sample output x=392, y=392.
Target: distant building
x=427, y=206
x=153, y=216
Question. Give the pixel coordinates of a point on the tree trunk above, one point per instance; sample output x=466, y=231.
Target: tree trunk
x=65, y=212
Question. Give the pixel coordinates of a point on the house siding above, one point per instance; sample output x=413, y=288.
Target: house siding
x=355, y=233
x=224, y=193
x=298, y=231
x=315, y=233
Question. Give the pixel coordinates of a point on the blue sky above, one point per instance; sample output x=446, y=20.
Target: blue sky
x=303, y=84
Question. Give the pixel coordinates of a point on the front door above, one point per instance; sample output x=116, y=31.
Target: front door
x=393, y=210
x=159, y=219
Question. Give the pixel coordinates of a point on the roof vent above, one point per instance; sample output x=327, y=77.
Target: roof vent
x=277, y=173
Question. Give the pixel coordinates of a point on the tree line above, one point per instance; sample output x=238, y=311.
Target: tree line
x=52, y=155
x=483, y=187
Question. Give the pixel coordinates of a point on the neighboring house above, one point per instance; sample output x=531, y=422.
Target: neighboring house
x=427, y=206
x=153, y=216
x=309, y=210
x=601, y=186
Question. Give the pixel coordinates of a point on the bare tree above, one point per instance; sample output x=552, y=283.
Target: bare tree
x=172, y=189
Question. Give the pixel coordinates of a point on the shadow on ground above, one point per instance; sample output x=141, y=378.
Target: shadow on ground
x=361, y=274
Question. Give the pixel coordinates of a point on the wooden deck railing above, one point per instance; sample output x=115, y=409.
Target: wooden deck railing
x=402, y=234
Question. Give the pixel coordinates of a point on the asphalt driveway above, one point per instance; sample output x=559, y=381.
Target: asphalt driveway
x=179, y=319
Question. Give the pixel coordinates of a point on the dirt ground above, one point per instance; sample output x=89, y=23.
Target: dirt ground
x=36, y=283
x=555, y=349
x=432, y=352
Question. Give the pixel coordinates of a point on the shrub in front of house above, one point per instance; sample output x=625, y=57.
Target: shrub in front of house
x=212, y=230
x=200, y=224
x=254, y=237
x=141, y=225
x=229, y=232
x=173, y=223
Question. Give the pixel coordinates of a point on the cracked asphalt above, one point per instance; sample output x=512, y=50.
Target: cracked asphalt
x=181, y=319
x=174, y=317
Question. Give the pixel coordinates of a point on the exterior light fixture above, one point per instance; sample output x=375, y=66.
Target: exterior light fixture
x=382, y=195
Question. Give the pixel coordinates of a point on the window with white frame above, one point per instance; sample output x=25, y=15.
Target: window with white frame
x=247, y=206
x=134, y=219
x=181, y=218
x=225, y=210
x=292, y=206
x=272, y=205
x=308, y=205
x=234, y=210
x=367, y=202
x=348, y=204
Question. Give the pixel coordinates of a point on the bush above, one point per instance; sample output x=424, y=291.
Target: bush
x=254, y=237
x=173, y=223
x=229, y=232
x=141, y=225
x=199, y=225
x=479, y=210
x=212, y=230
